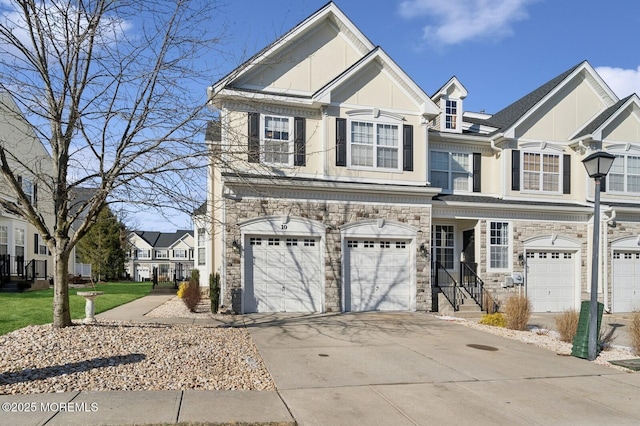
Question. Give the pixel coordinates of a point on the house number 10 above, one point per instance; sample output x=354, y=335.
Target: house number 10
x=283, y=226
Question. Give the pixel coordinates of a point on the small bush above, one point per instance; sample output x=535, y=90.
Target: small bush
x=518, y=312
x=496, y=319
x=567, y=324
x=634, y=332
x=189, y=291
x=214, y=291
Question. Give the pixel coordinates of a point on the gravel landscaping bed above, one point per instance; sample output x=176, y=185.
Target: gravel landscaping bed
x=116, y=356
x=550, y=340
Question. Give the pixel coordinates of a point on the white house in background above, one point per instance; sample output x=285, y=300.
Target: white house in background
x=170, y=253
x=23, y=253
x=340, y=185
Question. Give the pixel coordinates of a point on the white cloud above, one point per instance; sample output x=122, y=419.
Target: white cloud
x=456, y=21
x=622, y=81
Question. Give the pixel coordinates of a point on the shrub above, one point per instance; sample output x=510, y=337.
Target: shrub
x=189, y=291
x=634, y=332
x=518, y=311
x=496, y=319
x=567, y=324
x=214, y=291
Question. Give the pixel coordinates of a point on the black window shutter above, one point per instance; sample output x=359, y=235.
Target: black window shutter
x=254, y=138
x=341, y=142
x=515, y=170
x=566, y=174
x=603, y=184
x=35, y=243
x=35, y=195
x=477, y=157
x=299, y=144
x=407, y=148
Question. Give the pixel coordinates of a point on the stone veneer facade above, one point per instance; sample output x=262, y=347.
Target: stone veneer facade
x=333, y=215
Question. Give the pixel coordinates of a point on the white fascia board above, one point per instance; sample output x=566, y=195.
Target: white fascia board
x=453, y=81
x=585, y=66
x=516, y=207
x=253, y=96
x=338, y=186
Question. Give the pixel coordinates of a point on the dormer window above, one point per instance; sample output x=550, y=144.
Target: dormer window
x=451, y=115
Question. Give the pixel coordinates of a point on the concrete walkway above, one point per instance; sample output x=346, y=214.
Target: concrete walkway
x=369, y=368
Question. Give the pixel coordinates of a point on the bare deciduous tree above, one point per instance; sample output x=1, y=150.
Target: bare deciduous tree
x=104, y=85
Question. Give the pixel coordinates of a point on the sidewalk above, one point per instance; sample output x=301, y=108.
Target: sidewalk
x=141, y=408
x=363, y=368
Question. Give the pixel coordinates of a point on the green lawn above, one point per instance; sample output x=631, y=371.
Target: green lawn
x=18, y=310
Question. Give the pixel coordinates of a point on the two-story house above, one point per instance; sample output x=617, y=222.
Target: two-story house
x=23, y=253
x=169, y=254
x=337, y=184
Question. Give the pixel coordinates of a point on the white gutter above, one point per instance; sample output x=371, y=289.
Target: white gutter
x=503, y=181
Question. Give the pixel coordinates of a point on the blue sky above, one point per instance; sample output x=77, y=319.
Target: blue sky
x=499, y=49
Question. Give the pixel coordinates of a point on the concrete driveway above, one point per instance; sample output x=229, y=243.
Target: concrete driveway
x=413, y=368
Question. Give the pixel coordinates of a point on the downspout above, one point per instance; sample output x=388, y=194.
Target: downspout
x=497, y=150
x=605, y=259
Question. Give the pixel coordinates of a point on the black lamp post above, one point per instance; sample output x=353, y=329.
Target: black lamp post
x=597, y=165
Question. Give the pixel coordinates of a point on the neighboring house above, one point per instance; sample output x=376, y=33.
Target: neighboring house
x=170, y=254
x=23, y=253
x=342, y=186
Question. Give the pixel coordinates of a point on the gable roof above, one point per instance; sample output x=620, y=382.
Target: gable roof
x=506, y=119
x=509, y=115
x=162, y=239
x=595, y=127
x=328, y=11
x=414, y=91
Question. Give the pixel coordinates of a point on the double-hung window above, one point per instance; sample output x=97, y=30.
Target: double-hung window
x=144, y=254
x=374, y=145
x=499, y=245
x=180, y=253
x=451, y=114
x=541, y=172
x=624, y=175
x=278, y=140
x=162, y=254
x=451, y=171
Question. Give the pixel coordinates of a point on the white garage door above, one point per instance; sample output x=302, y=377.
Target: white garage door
x=626, y=281
x=378, y=275
x=283, y=274
x=551, y=284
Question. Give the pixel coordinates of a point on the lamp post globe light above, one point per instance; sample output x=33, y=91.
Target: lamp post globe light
x=597, y=165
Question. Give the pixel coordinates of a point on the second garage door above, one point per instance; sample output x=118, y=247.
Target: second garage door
x=378, y=275
x=283, y=274
x=626, y=281
x=551, y=280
